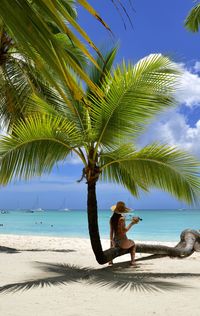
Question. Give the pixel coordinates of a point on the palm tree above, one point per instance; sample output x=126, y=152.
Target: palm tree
x=102, y=132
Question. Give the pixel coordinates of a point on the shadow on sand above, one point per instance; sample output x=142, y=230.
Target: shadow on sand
x=120, y=276
x=14, y=250
x=8, y=250
x=49, y=250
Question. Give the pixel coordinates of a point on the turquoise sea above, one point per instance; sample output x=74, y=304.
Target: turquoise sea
x=164, y=225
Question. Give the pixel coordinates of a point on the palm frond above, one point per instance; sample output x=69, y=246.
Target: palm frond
x=15, y=89
x=157, y=166
x=19, y=82
x=97, y=75
x=93, y=12
x=114, y=171
x=134, y=95
x=192, y=21
x=35, y=37
x=71, y=50
x=35, y=146
x=51, y=103
x=70, y=6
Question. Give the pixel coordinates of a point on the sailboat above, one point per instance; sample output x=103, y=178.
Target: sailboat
x=63, y=206
x=36, y=207
x=181, y=207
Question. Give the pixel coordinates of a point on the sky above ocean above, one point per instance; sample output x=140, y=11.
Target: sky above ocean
x=158, y=27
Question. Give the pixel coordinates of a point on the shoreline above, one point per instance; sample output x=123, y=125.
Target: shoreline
x=87, y=238
x=52, y=242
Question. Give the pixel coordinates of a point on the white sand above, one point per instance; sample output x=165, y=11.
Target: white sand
x=159, y=287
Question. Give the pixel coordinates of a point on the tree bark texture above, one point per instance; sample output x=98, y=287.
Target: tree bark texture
x=189, y=243
x=93, y=224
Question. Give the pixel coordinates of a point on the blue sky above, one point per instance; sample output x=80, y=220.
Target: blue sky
x=157, y=28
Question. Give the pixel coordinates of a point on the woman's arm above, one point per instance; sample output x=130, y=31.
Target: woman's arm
x=124, y=228
x=134, y=221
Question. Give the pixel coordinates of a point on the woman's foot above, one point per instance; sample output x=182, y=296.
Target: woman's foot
x=132, y=263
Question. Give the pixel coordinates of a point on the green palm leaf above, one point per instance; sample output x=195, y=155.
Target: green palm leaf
x=134, y=95
x=15, y=88
x=98, y=74
x=35, y=146
x=114, y=170
x=55, y=106
x=19, y=81
x=157, y=166
x=192, y=21
x=93, y=12
x=35, y=37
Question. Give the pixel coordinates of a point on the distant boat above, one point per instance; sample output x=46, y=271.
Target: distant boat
x=38, y=210
x=63, y=207
x=66, y=210
x=36, y=207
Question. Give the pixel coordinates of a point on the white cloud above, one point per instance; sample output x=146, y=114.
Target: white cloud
x=189, y=91
x=74, y=160
x=174, y=130
x=172, y=127
x=197, y=66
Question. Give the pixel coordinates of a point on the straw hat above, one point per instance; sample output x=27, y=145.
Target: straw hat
x=120, y=207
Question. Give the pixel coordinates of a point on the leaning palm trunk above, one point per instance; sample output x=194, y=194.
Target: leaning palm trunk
x=189, y=243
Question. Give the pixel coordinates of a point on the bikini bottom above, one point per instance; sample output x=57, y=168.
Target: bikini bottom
x=119, y=240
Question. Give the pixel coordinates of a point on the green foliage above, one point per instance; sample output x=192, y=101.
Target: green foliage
x=107, y=126
x=38, y=23
x=155, y=165
x=98, y=74
x=36, y=145
x=192, y=21
x=17, y=81
x=134, y=94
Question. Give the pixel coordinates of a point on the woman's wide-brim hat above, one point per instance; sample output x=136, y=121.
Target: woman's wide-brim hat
x=120, y=207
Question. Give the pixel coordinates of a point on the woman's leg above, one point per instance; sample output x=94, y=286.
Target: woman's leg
x=110, y=263
x=132, y=252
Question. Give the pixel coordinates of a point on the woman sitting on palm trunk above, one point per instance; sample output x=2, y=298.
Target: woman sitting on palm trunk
x=118, y=229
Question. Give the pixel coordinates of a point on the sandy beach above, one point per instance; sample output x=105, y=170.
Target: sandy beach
x=59, y=276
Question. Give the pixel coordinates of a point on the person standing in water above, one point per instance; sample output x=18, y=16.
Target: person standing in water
x=118, y=230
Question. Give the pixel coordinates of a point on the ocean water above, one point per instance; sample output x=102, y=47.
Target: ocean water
x=162, y=225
